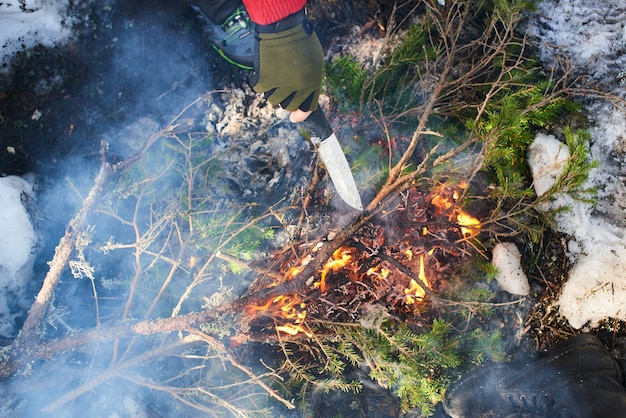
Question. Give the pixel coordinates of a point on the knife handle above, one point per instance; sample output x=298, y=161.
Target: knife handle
x=318, y=124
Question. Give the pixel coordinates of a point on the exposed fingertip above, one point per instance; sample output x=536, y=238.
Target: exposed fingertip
x=299, y=116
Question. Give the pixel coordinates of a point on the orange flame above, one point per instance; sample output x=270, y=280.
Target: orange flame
x=341, y=257
x=381, y=273
x=293, y=329
x=415, y=292
x=469, y=224
x=284, y=307
x=445, y=200
x=295, y=270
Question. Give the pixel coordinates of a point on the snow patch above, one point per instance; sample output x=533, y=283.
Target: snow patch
x=547, y=157
x=27, y=23
x=595, y=289
x=592, y=36
x=17, y=248
x=511, y=278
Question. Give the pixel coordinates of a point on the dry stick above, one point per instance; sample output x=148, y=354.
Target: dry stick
x=396, y=178
x=179, y=394
x=308, y=197
x=138, y=267
x=173, y=268
x=396, y=171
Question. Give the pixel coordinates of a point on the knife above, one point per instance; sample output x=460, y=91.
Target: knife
x=331, y=154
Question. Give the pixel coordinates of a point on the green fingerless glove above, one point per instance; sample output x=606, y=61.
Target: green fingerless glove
x=288, y=67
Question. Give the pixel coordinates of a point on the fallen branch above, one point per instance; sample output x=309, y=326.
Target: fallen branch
x=28, y=338
x=28, y=335
x=47, y=350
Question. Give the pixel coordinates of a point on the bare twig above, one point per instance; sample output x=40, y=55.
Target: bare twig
x=224, y=351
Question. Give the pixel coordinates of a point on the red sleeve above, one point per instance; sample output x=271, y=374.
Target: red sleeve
x=265, y=12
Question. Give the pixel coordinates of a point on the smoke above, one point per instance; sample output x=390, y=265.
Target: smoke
x=130, y=69
x=127, y=73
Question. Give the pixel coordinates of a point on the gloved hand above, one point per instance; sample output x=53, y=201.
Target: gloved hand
x=288, y=67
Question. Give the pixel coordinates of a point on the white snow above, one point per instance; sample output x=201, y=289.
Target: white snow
x=17, y=248
x=596, y=286
x=29, y=24
x=592, y=35
x=23, y=24
x=547, y=158
x=511, y=277
x=589, y=33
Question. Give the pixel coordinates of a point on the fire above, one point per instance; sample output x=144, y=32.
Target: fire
x=409, y=254
x=290, y=308
x=287, y=304
x=469, y=224
x=415, y=292
x=341, y=257
x=375, y=276
x=445, y=201
x=293, y=329
x=284, y=307
x=381, y=273
x=295, y=270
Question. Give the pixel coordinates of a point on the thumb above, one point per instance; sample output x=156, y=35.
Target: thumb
x=299, y=115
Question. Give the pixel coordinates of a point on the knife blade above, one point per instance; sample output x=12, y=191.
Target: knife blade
x=333, y=157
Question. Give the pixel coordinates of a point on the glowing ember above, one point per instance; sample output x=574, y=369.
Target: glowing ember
x=415, y=292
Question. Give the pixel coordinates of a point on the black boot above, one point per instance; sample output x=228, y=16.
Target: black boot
x=228, y=27
x=577, y=378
